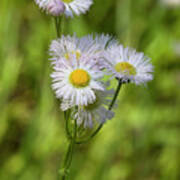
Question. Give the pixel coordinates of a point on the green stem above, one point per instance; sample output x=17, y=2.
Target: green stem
x=115, y=95
x=57, y=25
x=110, y=108
x=68, y=159
x=66, y=117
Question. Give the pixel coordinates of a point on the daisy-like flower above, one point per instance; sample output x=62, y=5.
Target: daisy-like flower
x=96, y=112
x=76, y=78
x=128, y=65
x=68, y=7
x=91, y=46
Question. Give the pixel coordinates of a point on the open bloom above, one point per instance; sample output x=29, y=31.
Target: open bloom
x=88, y=46
x=128, y=65
x=76, y=78
x=96, y=112
x=68, y=7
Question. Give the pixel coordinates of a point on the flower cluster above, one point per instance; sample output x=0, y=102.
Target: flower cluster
x=79, y=66
x=83, y=69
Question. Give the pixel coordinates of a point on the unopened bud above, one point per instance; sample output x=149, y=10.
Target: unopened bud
x=56, y=7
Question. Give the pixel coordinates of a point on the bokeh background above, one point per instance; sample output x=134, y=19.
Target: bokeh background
x=141, y=143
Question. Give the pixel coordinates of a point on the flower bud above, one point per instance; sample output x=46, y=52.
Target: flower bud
x=56, y=7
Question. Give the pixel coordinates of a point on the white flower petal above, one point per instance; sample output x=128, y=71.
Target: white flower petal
x=141, y=64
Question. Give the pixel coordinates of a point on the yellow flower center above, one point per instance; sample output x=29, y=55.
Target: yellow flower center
x=125, y=68
x=79, y=78
x=67, y=1
x=77, y=53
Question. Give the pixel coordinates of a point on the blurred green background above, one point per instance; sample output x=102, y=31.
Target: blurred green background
x=141, y=143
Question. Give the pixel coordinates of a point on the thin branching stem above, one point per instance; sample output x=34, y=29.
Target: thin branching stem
x=57, y=26
x=115, y=95
x=68, y=159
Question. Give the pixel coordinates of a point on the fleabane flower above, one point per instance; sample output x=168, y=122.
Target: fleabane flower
x=128, y=65
x=75, y=79
x=93, y=113
x=91, y=46
x=68, y=7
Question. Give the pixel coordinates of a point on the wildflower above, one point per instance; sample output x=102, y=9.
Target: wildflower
x=76, y=78
x=68, y=7
x=128, y=65
x=96, y=112
x=86, y=46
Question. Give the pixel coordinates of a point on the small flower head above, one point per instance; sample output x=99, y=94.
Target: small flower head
x=96, y=112
x=88, y=46
x=128, y=65
x=75, y=79
x=68, y=7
